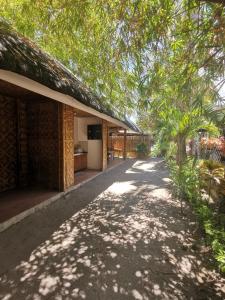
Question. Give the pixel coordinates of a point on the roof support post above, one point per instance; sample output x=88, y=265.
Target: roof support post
x=125, y=144
x=67, y=147
x=104, y=145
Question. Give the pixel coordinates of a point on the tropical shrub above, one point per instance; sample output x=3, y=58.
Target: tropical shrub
x=142, y=150
x=212, y=179
x=187, y=183
x=171, y=151
x=161, y=144
x=185, y=180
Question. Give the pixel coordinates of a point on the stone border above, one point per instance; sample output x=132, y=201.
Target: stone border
x=6, y=224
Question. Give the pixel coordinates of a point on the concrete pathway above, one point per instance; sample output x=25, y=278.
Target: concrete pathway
x=121, y=236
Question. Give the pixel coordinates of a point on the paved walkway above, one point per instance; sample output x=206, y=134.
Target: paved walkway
x=121, y=236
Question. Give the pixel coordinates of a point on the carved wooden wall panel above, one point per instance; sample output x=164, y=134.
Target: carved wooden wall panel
x=22, y=140
x=68, y=145
x=8, y=144
x=29, y=143
x=33, y=141
x=44, y=143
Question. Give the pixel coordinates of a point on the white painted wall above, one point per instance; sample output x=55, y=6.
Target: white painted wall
x=94, y=160
x=93, y=147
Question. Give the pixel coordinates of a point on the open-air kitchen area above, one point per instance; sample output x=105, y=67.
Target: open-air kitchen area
x=88, y=147
x=87, y=143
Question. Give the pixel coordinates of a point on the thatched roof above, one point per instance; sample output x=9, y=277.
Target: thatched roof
x=20, y=55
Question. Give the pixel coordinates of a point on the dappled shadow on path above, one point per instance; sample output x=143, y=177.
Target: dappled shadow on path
x=125, y=244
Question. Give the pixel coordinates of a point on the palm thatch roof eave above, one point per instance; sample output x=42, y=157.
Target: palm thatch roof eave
x=20, y=55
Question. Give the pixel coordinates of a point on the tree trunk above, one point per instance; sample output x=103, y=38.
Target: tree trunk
x=181, y=150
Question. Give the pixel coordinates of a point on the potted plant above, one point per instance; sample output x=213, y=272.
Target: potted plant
x=142, y=150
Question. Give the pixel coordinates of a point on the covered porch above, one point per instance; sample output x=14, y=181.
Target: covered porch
x=85, y=175
x=38, y=138
x=19, y=203
x=39, y=103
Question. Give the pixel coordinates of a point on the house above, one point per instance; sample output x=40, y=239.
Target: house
x=51, y=125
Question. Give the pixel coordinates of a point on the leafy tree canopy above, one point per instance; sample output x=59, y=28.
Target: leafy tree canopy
x=132, y=52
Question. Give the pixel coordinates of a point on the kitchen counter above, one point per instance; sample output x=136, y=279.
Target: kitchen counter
x=80, y=161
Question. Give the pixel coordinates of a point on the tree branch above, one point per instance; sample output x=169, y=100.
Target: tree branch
x=222, y=2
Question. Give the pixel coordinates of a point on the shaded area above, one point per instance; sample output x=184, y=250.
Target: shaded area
x=120, y=236
x=84, y=175
x=114, y=162
x=16, y=201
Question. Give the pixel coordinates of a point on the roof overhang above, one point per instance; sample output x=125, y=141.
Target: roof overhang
x=43, y=90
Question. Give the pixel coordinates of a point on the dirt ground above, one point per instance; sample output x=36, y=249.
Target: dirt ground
x=120, y=236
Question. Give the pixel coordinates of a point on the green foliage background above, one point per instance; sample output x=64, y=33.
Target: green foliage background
x=131, y=52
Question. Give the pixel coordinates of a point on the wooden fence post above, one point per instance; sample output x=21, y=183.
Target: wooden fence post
x=125, y=144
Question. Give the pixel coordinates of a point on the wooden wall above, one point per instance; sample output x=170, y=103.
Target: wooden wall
x=29, y=143
x=117, y=143
x=13, y=143
x=22, y=143
x=8, y=144
x=43, y=143
x=37, y=143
